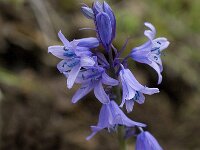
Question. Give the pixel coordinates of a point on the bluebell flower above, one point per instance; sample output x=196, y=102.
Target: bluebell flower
x=105, y=23
x=150, y=52
x=93, y=78
x=75, y=54
x=110, y=117
x=145, y=141
x=132, y=90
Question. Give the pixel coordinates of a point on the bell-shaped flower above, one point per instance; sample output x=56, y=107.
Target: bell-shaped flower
x=132, y=90
x=93, y=78
x=145, y=141
x=105, y=23
x=110, y=117
x=150, y=52
x=75, y=54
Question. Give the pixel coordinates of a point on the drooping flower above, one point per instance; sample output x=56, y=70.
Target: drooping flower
x=105, y=22
x=150, y=52
x=93, y=78
x=75, y=54
x=132, y=89
x=110, y=117
x=145, y=141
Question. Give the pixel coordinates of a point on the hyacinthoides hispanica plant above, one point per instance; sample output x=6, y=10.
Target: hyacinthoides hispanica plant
x=109, y=76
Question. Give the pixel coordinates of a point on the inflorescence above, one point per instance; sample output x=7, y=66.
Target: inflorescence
x=83, y=62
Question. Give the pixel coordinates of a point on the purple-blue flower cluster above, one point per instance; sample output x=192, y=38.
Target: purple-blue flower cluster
x=94, y=63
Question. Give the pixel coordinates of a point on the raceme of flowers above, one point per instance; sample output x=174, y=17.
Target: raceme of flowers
x=96, y=65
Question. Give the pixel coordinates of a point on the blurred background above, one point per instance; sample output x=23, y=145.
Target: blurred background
x=35, y=108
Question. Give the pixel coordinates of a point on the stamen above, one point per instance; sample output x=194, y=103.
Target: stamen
x=69, y=53
x=159, y=42
x=73, y=62
x=155, y=49
x=65, y=48
x=155, y=57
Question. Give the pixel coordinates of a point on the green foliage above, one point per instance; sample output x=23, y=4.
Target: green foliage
x=14, y=2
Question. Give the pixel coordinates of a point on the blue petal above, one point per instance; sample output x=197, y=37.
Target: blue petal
x=140, y=57
x=140, y=99
x=108, y=80
x=145, y=141
x=84, y=76
x=157, y=69
x=88, y=12
x=124, y=93
x=108, y=11
x=65, y=42
x=90, y=74
x=86, y=61
x=63, y=67
x=97, y=7
x=125, y=120
x=80, y=93
x=140, y=142
x=95, y=129
x=144, y=47
x=100, y=93
x=129, y=105
x=104, y=116
x=88, y=42
x=149, y=91
x=155, y=58
x=103, y=120
x=150, y=33
x=80, y=51
x=128, y=91
x=162, y=43
x=110, y=116
x=72, y=76
x=140, y=54
x=131, y=80
x=57, y=51
x=104, y=28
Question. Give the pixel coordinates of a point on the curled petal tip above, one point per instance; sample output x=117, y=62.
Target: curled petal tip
x=147, y=23
x=59, y=32
x=150, y=33
x=166, y=44
x=159, y=81
x=69, y=86
x=49, y=49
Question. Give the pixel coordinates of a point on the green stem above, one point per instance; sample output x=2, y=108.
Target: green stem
x=121, y=140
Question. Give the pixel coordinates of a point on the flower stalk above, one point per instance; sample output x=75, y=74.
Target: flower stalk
x=117, y=92
x=121, y=140
x=108, y=75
